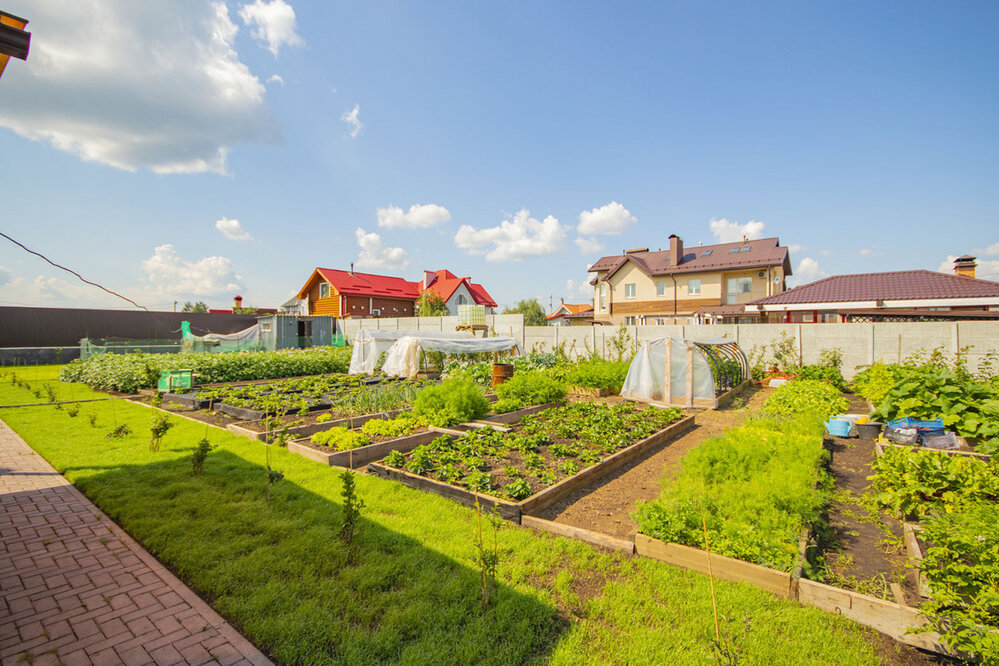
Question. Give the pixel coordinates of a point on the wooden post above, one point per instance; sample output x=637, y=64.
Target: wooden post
x=667, y=387
x=690, y=375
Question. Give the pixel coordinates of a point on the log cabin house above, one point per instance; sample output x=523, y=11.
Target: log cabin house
x=352, y=294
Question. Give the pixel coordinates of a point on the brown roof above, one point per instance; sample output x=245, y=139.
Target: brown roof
x=895, y=286
x=702, y=258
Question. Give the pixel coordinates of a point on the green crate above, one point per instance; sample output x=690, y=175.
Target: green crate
x=171, y=380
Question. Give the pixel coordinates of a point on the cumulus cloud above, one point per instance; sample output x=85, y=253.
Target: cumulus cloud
x=272, y=22
x=419, y=216
x=53, y=291
x=610, y=219
x=374, y=255
x=990, y=251
x=514, y=239
x=232, y=230
x=870, y=252
x=275, y=78
x=588, y=245
x=794, y=247
x=137, y=85
x=987, y=269
x=4, y=275
x=808, y=271
x=170, y=274
x=578, y=290
x=825, y=253
x=353, y=119
x=725, y=231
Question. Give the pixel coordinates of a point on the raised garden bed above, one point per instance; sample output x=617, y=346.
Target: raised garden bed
x=506, y=458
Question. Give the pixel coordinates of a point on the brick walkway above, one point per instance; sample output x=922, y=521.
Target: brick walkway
x=77, y=590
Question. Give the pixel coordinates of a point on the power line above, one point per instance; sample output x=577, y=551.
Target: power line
x=69, y=270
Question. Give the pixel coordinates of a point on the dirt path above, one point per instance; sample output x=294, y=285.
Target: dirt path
x=605, y=506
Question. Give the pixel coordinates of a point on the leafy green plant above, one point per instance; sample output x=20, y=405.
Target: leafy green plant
x=341, y=439
x=402, y=425
x=119, y=431
x=518, y=489
x=159, y=427
x=324, y=418
x=451, y=402
x=73, y=410
x=479, y=482
x=805, y=397
x=420, y=461
x=600, y=374
x=622, y=344
x=201, y=451
x=352, y=506
x=824, y=373
x=875, y=381
x=487, y=558
x=506, y=406
x=531, y=388
x=395, y=459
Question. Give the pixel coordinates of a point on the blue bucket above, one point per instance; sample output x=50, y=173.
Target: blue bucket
x=839, y=427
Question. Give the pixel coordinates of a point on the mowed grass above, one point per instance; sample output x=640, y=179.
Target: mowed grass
x=408, y=591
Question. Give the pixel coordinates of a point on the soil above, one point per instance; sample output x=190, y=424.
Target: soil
x=605, y=505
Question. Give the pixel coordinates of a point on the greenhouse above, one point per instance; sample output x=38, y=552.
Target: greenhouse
x=370, y=344
x=403, y=358
x=688, y=373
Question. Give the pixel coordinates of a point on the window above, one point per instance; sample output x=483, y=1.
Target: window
x=660, y=322
x=461, y=299
x=324, y=290
x=693, y=287
x=629, y=321
x=744, y=249
x=629, y=290
x=603, y=296
x=661, y=288
x=733, y=250
x=707, y=253
x=265, y=327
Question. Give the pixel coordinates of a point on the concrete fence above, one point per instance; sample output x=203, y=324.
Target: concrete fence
x=860, y=344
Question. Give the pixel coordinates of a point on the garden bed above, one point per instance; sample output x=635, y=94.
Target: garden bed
x=540, y=494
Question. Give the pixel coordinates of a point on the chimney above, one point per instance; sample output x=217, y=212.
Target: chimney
x=352, y=268
x=429, y=277
x=675, y=250
x=965, y=265
x=238, y=301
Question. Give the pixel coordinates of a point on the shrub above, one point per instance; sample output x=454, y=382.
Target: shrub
x=451, y=402
x=803, y=398
x=600, y=374
x=875, y=381
x=531, y=388
x=341, y=439
x=823, y=373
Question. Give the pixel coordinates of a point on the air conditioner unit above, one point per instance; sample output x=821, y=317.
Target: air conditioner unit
x=761, y=274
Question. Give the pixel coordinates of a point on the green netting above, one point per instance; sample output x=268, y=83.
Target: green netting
x=95, y=346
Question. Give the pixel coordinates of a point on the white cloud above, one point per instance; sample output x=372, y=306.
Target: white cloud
x=133, y=85
x=352, y=118
x=870, y=252
x=588, y=245
x=825, y=253
x=808, y=271
x=169, y=274
x=610, y=219
x=373, y=255
x=990, y=251
x=275, y=78
x=232, y=230
x=514, y=239
x=987, y=269
x=419, y=216
x=4, y=275
x=272, y=22
x=725, y=231
x=52, y=291
x=794, y=247
x=576, y=290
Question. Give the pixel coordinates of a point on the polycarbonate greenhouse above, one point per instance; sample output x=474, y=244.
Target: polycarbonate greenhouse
x=685, y=373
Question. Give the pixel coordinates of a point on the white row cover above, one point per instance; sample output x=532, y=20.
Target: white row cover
x=245, y=338
x=647, y=372
x=370, y=344
x=404, y=356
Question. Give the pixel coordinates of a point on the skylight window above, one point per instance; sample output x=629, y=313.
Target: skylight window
x=733, y=250
x=706, y=253
x=744, y=249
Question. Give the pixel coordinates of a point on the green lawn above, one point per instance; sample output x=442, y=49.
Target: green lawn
x=409, y=592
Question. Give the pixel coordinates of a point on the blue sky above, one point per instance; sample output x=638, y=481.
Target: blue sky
x=192, y=150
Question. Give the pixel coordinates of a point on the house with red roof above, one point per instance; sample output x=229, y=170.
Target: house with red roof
x=682, y=285
x=571, y=314
x=917, y=295
x=456, y=291
x=352, y=294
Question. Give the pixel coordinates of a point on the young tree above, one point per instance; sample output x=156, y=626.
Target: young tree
x=430, y=304
x=200, y=306
x=534, y=314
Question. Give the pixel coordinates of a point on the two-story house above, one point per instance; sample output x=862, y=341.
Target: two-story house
x=709, y=283
x=345, y=294
x=456, y=291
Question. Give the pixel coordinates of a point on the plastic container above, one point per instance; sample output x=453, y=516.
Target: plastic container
x=838, y=427
x=869, y=430
x=901, y=435
x=947, y=441
x=910, y=422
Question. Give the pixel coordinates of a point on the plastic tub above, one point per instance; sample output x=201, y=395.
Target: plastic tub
x=869, y=430
x=947, y=441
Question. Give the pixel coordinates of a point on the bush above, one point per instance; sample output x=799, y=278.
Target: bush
x=875, y=381
x=754, y=486
x=823, y=373
x=802, y=398
x=600, y=374
x=130, y=372
x=451, y=402
x=531, y=388
x=341, y=439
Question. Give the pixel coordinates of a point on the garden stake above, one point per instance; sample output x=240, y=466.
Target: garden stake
x=711, y=580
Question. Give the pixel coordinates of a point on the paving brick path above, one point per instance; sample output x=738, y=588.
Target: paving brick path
x=77, y=590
